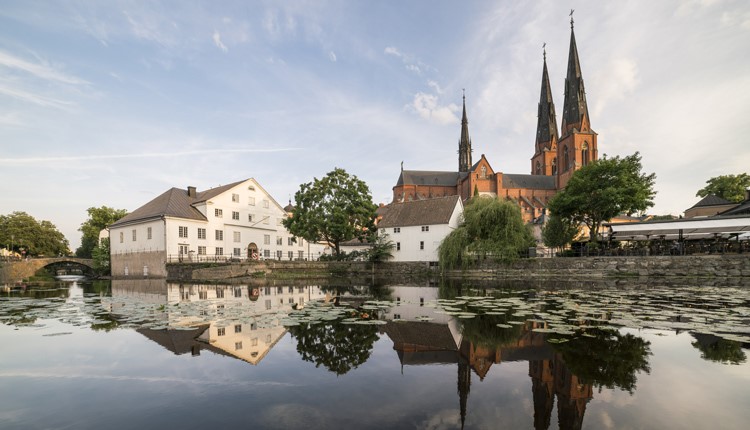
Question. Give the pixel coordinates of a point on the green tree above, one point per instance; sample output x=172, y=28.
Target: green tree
x=559, y=232
x=604, y=189
x=490, y=228
x=334, y=209
x=99, y=218
x=20, y=232
x=382, y=248
x=729, y=187
x=100, y=255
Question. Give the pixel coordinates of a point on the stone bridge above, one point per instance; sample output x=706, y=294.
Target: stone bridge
x=16, y=271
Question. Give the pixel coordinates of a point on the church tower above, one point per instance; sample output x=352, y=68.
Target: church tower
x=577, y=146
x=544, y=161
x=464, y=144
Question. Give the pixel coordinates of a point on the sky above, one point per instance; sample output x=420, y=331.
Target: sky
x=112, y=103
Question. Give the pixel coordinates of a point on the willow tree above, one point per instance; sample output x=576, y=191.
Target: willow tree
x=491, y=228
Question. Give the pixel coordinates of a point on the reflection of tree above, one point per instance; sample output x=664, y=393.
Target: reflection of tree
x=338, y=347
x=482, y=330
x=720, y=350
x=608, y=359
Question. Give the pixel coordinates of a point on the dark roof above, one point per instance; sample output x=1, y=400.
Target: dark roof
x=178, y=341
x=574, y=107
x=534, y=182
x=420, y=212
x=424, y=177
x=546, y=126
x=741, y=209
x=425, y=336
x=174, y=202
x=711, y=200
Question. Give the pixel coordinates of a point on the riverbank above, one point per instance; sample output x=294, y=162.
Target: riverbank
x=694, y=266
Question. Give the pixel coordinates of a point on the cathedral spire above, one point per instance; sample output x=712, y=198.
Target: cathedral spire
x=546, y=126
x=464, y=144
x=575, y=109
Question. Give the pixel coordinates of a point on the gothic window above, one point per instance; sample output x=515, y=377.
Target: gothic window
x=585, y=153
x=554, y=166
x=566, y=158
x=484, y=172
x=538, y=168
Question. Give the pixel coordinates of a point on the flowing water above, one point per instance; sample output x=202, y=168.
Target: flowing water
x=151, y=354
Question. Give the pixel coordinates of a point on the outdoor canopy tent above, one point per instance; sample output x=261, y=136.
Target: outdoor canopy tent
x=692, y=228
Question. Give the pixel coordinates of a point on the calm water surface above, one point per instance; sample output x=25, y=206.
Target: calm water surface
x=147, y=354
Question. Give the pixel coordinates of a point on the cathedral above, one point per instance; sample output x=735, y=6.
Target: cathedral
x=557, y=154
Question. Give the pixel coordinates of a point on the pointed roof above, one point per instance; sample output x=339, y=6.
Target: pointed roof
x=575, y=106
x=546, y=127
x=711, y=200
x=464, y=144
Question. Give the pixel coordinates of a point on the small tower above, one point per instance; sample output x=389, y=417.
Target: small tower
x=545, y=148
x=464, y=144
x=577, y=146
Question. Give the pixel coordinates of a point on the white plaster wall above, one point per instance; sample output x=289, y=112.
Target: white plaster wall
x=142, y=243
x=410, y=237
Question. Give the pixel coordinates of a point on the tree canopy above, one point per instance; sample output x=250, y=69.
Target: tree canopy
x=99, y=218
x=559, y=232
x=334, y=209
x=604, y=189
x=22, y=233
x=729, y=187
x=490, y=227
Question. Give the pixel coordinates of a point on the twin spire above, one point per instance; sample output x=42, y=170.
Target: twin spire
x=464, y=144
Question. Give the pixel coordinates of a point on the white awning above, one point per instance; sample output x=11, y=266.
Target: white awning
x=700, y=228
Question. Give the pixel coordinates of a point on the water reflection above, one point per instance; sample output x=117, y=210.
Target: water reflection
x=576, y=345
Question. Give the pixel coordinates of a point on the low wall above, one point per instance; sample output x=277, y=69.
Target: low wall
x=736, y=265
x=139, y=265
x=727, y=265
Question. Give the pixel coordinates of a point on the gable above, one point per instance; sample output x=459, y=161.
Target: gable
x=420, y=212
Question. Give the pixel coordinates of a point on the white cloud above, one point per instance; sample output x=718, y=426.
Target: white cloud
x=435, y=86
x=332, y=56
x=427, y=106
x=217, y=41
x=410, y=62
x=42, y=71
x=34, y=98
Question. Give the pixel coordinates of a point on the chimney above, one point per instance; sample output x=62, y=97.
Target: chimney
x=191, y=192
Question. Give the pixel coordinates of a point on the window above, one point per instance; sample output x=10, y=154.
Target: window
x=219, y=250
x=134, y=235
x=237, y=346
x=278, y=254
x=203, y=295
x=254, y=341
x=585, y=153
x=221, y=331
x=148, y=233
x=218, y=213
x=398, y=246
x=266, y=253
x=266, y=239
x=201, y=250
x=300, y=242
x=237, y=252
x=425, y=228
x=219, y=234
x=397, y=229
x=251, y=201
x=253, y=326
x=538, y=168
x=201, y=233
x=219, y=292
x=290, y=241
x=421, y=245
x=237, y=236
x=554, y=166
x=265, y=203
x=238, y=292
x=268, y=338
x=291, y=255
x=279, y=240
x=301, y=255
x=268, y=304
x=182, y=232
x=251, y=187
x=122, y=237
x=235, y=198
x=566, y=158
x=250, y=218
x=235, y=215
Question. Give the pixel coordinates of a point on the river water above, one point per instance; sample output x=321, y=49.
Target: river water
x=148, y=354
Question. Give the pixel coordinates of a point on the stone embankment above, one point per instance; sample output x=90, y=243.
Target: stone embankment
x=714, y=266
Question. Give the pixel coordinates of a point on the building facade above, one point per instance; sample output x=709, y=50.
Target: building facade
x=556, y=154
x=417, y=227
x=236, y=221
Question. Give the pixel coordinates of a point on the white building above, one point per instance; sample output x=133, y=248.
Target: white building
x=239, y=221
x=418, y=227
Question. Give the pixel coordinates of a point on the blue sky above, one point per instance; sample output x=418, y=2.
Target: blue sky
x=112, y=103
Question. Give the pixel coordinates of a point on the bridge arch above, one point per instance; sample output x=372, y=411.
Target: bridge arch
x=16, y=271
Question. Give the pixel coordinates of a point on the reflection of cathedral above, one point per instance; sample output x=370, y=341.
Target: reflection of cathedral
x=440, y=342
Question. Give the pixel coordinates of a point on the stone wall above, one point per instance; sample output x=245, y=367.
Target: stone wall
x=737, y=265
x=139, y=265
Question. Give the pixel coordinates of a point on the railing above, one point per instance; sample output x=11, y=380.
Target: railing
x=208, y=258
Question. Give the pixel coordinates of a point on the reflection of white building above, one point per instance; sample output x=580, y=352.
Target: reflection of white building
x=411, y=306
x=237, y=320
x=418, y=227
x=239, y=221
